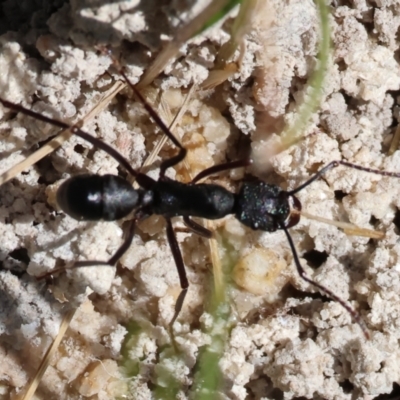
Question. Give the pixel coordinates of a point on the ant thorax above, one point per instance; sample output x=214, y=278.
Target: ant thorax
x=172, y=198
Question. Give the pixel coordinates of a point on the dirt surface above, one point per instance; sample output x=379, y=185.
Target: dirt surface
x=287, y=340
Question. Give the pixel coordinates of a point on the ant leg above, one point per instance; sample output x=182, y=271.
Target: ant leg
x=147, y=182
x=176, y=253
x=354, y=314
x=182, y=151
x=34, y=114
x=334, y=164
x=219, y=168
x=111, y=262
x=105, y=147
x=197, y=228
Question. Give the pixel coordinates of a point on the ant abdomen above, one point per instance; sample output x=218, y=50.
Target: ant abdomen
x=95, y=197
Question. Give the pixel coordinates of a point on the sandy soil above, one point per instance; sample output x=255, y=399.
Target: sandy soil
x=287, y=340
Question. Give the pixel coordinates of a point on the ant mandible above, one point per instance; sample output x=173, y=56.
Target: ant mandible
x=257, y=205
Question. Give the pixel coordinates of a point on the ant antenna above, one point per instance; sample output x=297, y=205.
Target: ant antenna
x=336, y=163
x=333, y=164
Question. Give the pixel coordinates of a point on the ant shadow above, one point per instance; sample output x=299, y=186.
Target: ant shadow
x=16, y=16
x=107, y=32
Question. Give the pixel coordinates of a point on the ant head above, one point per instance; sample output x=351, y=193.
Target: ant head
x=263, y=207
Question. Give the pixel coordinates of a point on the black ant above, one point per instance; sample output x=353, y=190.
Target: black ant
x=257, y=205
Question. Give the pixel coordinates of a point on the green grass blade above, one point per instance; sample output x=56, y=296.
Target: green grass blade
x=315, y=87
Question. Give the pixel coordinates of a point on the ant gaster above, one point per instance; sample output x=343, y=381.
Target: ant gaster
x=258, y=205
